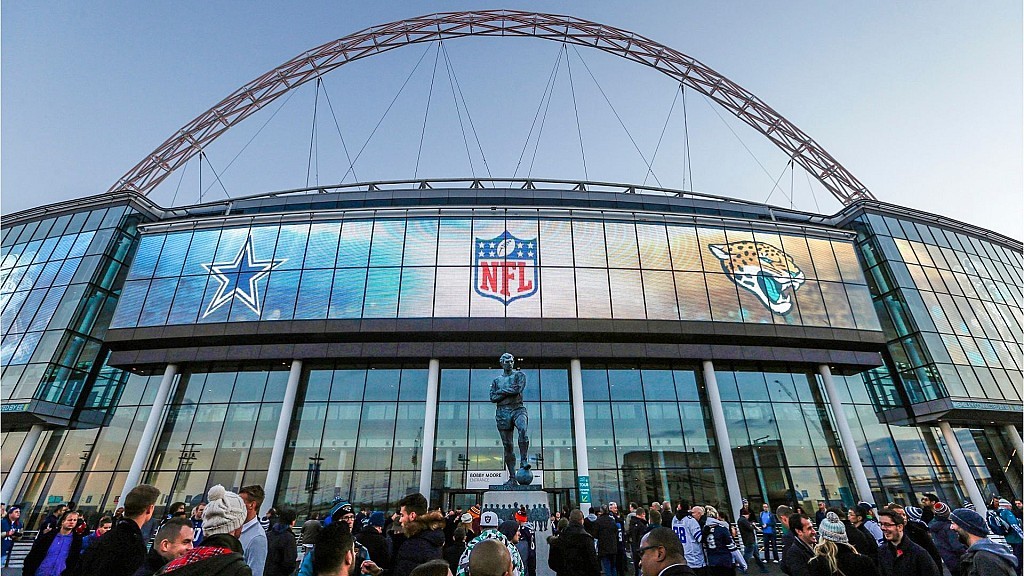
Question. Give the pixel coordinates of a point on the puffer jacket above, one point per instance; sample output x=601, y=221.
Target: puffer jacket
x=424, y=539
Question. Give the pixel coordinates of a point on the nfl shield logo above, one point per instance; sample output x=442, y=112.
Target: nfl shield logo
x=505, y=267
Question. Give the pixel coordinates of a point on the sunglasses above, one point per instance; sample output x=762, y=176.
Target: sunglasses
x=643, y=549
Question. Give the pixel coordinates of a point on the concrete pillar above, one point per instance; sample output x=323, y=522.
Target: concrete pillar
x=962, y=467
x=429, y=427
x=153, y=423
x=1018, y=444
x=284, y=421
x=20, y=462
x=579, y=426
x=860, y=479
x=732, y=481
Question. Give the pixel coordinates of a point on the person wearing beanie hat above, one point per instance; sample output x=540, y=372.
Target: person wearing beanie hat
x=949, y=546
x=834, y=555
x=899, y=555
x=12, y=529
x=942, y=509
x=492, y=530
x=983, y=557
x=372, y=541
x=221, y=551
x=526, y=542
x=1014, y=536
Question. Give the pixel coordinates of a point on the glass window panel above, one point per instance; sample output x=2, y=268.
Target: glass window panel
x=172, y=256
x=291, y=244
x=455, y=243
x=692, y=296
x=451, y=292
x=627, y=294
x=825, y=266
x=631, y=434
x=305, y=434
x=322, y=250
x=685, y=249
x=387, y=244
x=318, y=385
x=796, y=247
x=95, y=219
x=660, y=295
x=592, y=299
x=187, y=300
x=130, y=304
x=862, y=307
x=28, y=310
x=347, y=293
x=658, y=385
x=341, y=433
x=595, y=384
x=201, y=251
x=67, y=271
x=625, y=384
x=217, y=387
x=480, y=380
x=622, y=245
x=727, y=385
x=279, y=303
x=408, y=436
x=314, y=294
x=414, y=385
x=558, y=292
x=795, y=439
x=653, y=245
x=724, y=302
x=708, y=237
x=158, y=302
x=417, y=296
x=600, y=439
x=556, y=240
x=235, y=440
x=751, y=386
x=686, y=385
x=354, y=247
x=588, y=244
x=64, y=247
x=810, y=305
x=555, y=385
x=454, y=384
x=249, y=387
x=376, y=435
x=839, y=312
x=382, y=384
x=421, y=242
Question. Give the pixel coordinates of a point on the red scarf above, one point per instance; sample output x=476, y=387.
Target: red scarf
x=195, y=555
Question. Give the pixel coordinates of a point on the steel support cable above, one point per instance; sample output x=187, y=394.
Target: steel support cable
x=662, y=135
x=775, y=185
x=621, y=123
x=687, y=162
x=458, y=111
x=540, y=129
x=245, y=101
x=251, y=139
x=204, y=156
x=337, y=126
x=178, y=187
x=383, y=116
x=811, y=189
x=469, y=116
x=312, y=137
x=426, y=112
x=551, y=78
x=579, y=129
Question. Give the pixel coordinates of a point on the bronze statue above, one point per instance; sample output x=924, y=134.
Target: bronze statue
x=510, y=413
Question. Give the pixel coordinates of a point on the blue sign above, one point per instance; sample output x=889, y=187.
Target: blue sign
x=6, y=408
x=240, y=277
x=583, y=483
x=505, y=267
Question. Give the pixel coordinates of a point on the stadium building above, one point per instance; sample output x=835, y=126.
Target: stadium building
x=340, y=341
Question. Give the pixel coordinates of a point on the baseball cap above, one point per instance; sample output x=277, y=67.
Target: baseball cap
x=488, y=520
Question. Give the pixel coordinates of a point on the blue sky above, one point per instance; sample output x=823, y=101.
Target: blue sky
x=922, y=101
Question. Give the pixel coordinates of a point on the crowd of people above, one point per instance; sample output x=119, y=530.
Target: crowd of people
x=226, y=536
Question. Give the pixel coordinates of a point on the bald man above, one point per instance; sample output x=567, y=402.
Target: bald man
x=490, y=558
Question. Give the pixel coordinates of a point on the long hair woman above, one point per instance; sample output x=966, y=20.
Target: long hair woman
x=833, y=556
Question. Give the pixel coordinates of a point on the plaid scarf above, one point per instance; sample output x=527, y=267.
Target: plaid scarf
x=195, y=555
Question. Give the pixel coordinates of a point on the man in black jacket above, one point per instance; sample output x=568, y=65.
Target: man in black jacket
x=372, y=538
x=122, y=550
x=801, y=549
x=172, y=541
x=57, y=550
x=572, y=551
x=424, y=533
x=661, y=554
x=281, y=547
x=898, y=556
x=607, y=541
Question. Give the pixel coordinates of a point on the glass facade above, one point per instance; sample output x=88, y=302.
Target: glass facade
x=951, y=304
x=479, y=266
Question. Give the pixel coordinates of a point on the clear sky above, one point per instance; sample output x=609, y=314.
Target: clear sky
x=922, y=101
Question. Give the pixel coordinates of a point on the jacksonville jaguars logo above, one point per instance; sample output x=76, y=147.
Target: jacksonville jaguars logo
x=763, y=269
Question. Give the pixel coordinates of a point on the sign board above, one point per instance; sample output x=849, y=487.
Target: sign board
x=20, y=407
x=484, y=479
x=583, y=483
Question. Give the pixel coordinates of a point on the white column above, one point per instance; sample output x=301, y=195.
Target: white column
x=964, y=469
x=20, y=462
x=579, y=425
x=153, y=423
x=1018, y=444
x=860, y=479
x=732, y=482
x=284, y=421
x=429, y=426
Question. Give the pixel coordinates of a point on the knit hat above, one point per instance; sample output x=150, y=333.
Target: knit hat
x=831, y=528
x=942, y=509
x=520, y=517
x=488, y=520
x=915, y=514
x=225, y=511
x=475, y=510
x=509, y=528
x=466, y=518
x=969, y=505
x=340, y=508
x=377, y=518
x=1004, y=503
x=970, y=521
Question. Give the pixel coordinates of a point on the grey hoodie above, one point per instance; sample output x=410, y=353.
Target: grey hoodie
x=987, y=558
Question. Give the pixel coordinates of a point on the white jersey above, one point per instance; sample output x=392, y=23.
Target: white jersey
x=688, y=531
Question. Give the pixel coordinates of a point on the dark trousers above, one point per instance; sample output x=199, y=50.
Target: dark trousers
x=769, y=548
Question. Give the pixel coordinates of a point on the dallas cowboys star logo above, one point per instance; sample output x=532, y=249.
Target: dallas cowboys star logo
x=240, y=277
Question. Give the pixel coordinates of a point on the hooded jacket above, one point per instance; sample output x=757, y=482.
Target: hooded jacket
x=280, y=551
x=607, y=535
x=718, y=543
x=986, y=558
x=572, y=553
x=424, y=539
x=949, y=546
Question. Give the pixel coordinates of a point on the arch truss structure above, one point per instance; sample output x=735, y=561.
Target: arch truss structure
x=194, y=136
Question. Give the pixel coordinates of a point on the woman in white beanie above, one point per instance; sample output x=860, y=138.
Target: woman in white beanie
x=833, y=555
x=221, y=552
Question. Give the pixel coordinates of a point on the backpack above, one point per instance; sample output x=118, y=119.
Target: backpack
x=997, y=524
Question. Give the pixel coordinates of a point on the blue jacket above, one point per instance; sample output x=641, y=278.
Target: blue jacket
x=6, y=526
x=950, y=547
